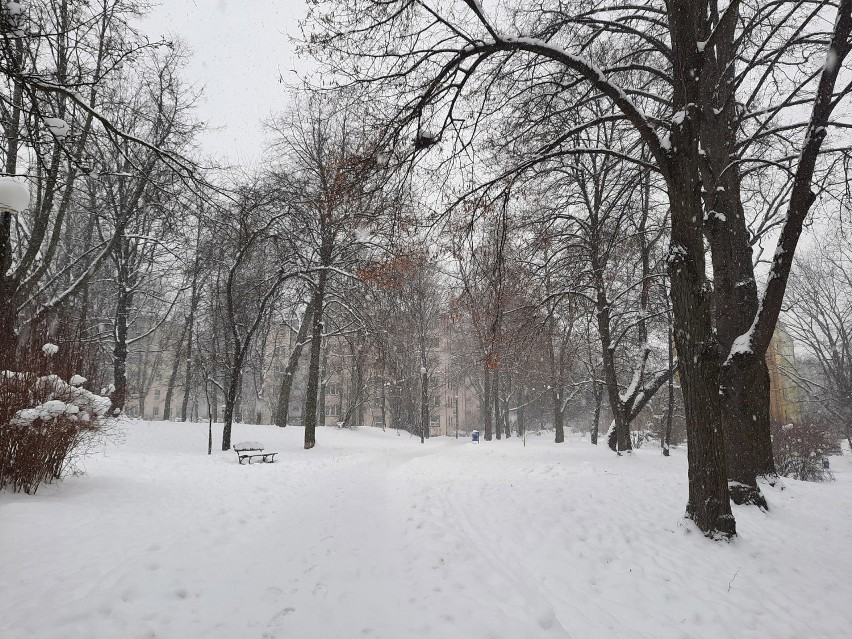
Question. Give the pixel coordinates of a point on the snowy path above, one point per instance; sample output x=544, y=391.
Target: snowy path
x=374, y=535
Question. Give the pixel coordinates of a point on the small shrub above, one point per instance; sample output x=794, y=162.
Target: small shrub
x=800, y=448
x=45, y=423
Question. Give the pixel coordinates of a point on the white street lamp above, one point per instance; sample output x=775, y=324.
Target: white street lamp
x=14, y=195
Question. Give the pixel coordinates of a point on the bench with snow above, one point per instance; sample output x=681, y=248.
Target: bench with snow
x=250, y=450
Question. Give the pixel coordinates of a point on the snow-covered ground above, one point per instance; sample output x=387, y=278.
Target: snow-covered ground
x=375, y=535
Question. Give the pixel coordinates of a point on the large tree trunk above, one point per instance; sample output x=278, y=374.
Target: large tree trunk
x=118, y=397
x=521, y=423
x=698, y=351
x=352, y=417
x=504, y=406
x=486, y=402
x=495, y=396
x=424, y=408
x=282, y=410
x=187, y=378
x=558, y=415
x=596, y=417
x=167, y=408
x=424, y=392
x=618, y=438
x=8, y=314
x=744, y=383
x=323, y=387
x=745, y=418
x=312, y=389
x=557, y=375
x=708, y=504
x=232, y=394
x=666, y=436
x=384, y=398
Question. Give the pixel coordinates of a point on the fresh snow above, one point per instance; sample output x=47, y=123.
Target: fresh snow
x=247, y=446
x=371, y=534
x=73, y=399
x=57, y=127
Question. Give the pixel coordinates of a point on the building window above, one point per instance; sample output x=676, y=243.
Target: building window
x=156, y=411
x=332, y=410
x=332, y=389
x=436, y=400
x=157, y=394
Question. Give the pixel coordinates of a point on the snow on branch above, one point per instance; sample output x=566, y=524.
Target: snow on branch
x=802, y=196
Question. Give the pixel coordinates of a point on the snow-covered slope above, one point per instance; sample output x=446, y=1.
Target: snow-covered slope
x=375, y=535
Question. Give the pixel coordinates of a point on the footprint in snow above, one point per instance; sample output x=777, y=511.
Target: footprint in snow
x=278, y=617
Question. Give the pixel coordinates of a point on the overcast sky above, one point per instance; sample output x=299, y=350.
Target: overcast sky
x=240, y=48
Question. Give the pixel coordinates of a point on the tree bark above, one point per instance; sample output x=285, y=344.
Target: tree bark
x=190, y=324
x=666, y=436
x=495, y=396
x=282, y=410
x=124, y=299
x=744, y=384
x=424, y=401
x=486, y=403
x=231, y=397
x=504, y=405
x=698, y=351
x=383, y=392
x=596, y=418
x=8, y=314
x=558, y=415
x=618, y=438
x=312, y=389
x=521, y=423
x=167, y=408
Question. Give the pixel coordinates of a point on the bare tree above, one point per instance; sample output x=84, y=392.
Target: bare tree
x=328, y=167
x=440, y=59
x=60, y=66
x=819, y=316
x=256, y=259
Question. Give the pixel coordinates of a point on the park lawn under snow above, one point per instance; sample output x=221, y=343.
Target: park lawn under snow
x=375, y=535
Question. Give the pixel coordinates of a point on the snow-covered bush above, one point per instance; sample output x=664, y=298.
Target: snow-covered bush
x=45, y=423
x=800, y=448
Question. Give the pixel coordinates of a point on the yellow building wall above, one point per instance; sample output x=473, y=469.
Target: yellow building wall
x=784, y=394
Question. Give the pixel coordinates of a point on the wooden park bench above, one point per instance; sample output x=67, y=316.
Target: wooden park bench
x=250, y=450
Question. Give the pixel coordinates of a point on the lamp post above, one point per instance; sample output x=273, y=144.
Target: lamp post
x=14, y=195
